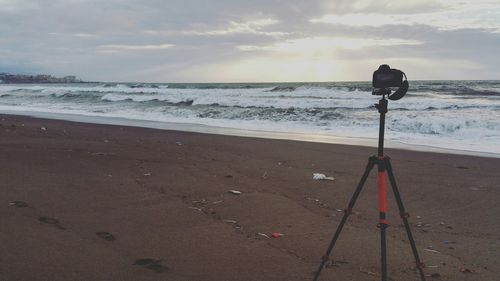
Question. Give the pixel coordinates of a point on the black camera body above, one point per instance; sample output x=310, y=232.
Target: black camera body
x=386, y=77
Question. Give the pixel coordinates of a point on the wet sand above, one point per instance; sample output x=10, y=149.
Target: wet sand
x=101, y=202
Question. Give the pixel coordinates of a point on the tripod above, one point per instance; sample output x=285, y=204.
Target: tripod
x=384, y=165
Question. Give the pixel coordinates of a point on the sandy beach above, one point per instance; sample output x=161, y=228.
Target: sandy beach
x=101, y=202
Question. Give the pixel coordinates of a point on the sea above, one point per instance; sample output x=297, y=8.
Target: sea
x=458, y=116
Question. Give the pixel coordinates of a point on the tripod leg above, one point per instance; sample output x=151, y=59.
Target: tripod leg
x=382, y=203
x=371, y=162
x=404, y=216
x=383, y=251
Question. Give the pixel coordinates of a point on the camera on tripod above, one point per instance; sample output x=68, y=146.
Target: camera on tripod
x=386, y=77
x=383, y=79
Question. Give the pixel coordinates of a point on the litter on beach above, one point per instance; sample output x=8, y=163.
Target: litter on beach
x=276, y=235
x=263, y=235
x=18, y=204
x=362, y=270
x=432, y=251
x=466, y=270
x=319, y=176
x=106, y=236
x=235, y=192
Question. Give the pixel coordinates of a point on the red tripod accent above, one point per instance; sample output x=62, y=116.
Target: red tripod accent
x=382, y=192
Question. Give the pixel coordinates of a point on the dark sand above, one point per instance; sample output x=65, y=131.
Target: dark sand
x=159, y=201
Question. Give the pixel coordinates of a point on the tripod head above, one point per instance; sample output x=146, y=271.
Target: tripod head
x=382, y=103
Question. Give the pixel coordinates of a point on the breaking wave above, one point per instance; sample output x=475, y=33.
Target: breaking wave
x=463, y=114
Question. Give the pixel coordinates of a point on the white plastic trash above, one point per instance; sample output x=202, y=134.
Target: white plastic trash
x=319, y=176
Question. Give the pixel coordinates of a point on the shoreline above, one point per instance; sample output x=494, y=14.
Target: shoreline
x=163, y=195
x=206, y=129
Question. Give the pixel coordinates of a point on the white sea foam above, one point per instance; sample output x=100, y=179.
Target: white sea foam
x=463, y=115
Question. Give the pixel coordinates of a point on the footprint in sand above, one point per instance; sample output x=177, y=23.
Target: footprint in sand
x=106, y=236
x=151, y=264
x=51, y=221
x=18, y=204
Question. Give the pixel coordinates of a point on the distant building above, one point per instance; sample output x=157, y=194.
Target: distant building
x=7, y=78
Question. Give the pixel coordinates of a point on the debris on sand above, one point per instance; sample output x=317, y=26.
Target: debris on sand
x=277, y=235
x=18, y=204
x=43, y=128
x=319, y=176
x=151, y=264
x=202, y=201
x=48, y=220
x=432, y=251
x=362, y=270
x=263, y=235
x=51, y=221
x=106, y=236
x=466, y=270
x=235, y=192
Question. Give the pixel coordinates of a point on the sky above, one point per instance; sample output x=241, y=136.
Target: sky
x=250, y=41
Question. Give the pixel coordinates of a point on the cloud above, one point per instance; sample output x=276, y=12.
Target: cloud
x=119, y=48
x=234, y=40
x=250, y=27
x=256, y=27
x=385, y=6
x=318, y=44
x=17, y=5
x=457, y=15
